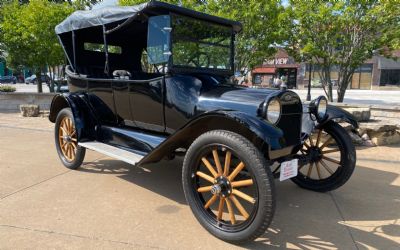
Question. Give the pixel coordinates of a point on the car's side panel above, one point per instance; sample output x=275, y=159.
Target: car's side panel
x=146, y=100
x=122, y=102
x=181, y=98
x=102, y=99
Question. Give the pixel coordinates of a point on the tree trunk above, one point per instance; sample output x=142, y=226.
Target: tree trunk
x=341, y=91
x=51, y=87
x=39, y=82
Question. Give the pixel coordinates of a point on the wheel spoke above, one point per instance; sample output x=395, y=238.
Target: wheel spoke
x=211, y=201
x=73, y=133
x=318, y=172
x=331, y=160
x=208, y=165
x=243, y=196
x=227, y=162
x=230, y=210
x=220, y=208
x=70, y=126
x=326, y=143
x=311, y=141
x=217, y=162
x=204, y=189
x=239, y=206
x=74, y=140
x=318, y=137
x=310, y=169
x=331, y=151
x=235, y=172
x=64, y=132
x=73, y=145
x=306, y=145
x=326, y=167
x=243, y=183
x=205, y=176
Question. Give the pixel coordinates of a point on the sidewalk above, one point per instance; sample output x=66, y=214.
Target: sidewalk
x=108, y=204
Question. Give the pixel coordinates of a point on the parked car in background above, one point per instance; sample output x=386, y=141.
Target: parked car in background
x=33, y=79
x=8, y=79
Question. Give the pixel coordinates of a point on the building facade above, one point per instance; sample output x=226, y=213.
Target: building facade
x=376, y=73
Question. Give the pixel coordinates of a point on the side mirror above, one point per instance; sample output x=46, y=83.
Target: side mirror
x=158, y=39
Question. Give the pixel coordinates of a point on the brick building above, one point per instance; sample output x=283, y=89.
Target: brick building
x=376, y=73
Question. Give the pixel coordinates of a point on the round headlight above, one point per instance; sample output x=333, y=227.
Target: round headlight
x=273, y=111
x=321, y=108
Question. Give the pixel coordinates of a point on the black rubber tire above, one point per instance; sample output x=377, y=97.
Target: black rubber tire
x=81, y=151
x=252, y=157
x=348, y=160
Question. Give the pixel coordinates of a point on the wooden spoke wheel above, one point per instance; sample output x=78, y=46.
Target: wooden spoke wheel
x=66, y=139
x=229, y=186
x=331, y=156
x=225, y=187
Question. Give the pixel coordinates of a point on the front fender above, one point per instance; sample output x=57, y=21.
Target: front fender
x=263, y=135
x=334, y=112
x=84, y=118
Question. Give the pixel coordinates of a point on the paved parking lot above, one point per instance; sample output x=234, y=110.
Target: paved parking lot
x=108, y=204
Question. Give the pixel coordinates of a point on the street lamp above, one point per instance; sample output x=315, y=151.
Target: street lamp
x=309, y=83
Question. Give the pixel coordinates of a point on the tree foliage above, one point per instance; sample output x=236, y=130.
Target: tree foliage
x=28, y=34
x=261, y=25
x=340, y=33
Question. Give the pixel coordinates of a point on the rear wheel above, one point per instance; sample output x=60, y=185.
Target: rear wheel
x=332, y=159
x=229, y=186
x=70, y=153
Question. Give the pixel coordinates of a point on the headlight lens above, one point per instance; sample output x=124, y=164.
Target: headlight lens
x=321, y=109
x=274, y=111
x=318, y=108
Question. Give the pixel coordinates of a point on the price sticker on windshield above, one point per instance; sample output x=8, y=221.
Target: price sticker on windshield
x=288, y=169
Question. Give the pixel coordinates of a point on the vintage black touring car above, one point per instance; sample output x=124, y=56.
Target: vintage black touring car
x=154, y=80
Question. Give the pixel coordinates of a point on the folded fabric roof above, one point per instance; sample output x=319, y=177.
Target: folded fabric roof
x=89, y=18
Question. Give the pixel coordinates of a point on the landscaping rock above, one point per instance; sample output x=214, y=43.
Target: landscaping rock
x=369, y=143
x=365, y=137
x=385, y=138
x=29, y=110
x=361, y=114
x=356, y=139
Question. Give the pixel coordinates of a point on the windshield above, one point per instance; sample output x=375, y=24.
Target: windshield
x=200, y=44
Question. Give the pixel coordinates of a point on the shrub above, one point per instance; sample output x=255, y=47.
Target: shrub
x=7, y=88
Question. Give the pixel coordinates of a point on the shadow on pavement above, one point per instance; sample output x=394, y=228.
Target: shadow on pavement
x=367, y=202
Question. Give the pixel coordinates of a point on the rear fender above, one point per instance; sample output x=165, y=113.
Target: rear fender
x=85, y=120
x=263, y=135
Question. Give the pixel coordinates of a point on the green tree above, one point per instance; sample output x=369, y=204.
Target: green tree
x=261, y=25
x=340, y=33
x=29, y=37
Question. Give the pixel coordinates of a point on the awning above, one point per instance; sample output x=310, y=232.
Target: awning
x=264, y=70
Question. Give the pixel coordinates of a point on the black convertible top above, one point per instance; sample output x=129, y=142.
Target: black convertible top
x=90, y=18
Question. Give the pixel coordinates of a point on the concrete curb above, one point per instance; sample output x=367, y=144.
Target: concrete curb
x=10, y=102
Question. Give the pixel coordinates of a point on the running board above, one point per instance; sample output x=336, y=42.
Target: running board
x=114, y=152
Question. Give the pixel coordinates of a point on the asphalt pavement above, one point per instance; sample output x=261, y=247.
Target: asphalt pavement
x=108, y=204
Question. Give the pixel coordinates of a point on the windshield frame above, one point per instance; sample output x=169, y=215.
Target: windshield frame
x=190, y=69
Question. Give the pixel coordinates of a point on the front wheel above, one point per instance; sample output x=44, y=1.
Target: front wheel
x=229, y=186
x=332, y=159
x=70, y=153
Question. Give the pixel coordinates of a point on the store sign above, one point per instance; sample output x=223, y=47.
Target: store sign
x=282, y=60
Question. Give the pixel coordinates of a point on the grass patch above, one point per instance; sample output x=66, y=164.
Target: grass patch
x=7, y=88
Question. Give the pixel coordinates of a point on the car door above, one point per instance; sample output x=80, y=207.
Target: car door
x=146, y=98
